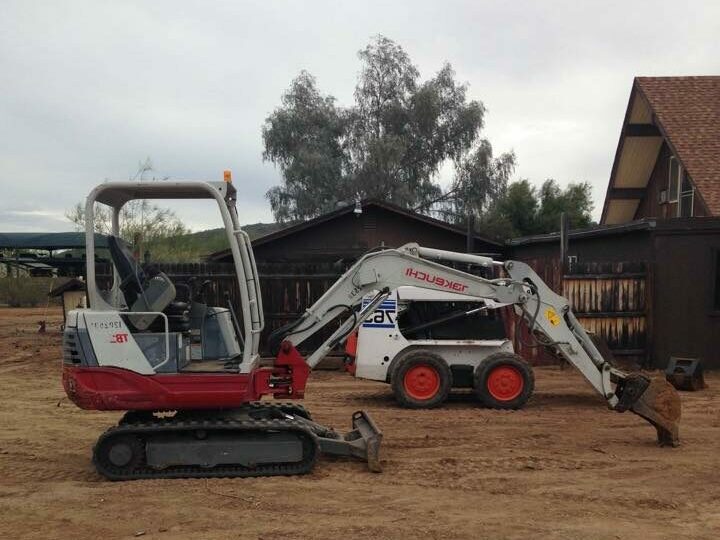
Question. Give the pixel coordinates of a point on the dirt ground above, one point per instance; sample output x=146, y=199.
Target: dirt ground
x=564, y=467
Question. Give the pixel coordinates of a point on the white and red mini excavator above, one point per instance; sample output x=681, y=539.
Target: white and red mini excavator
x=189, y=375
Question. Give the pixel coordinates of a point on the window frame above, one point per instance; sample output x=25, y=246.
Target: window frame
x=682, y=176
x=673, y=197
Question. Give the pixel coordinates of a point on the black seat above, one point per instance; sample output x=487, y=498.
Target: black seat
x=132, y=276
x=135, y=281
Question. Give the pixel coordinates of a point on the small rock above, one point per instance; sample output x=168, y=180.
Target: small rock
x=140, y=533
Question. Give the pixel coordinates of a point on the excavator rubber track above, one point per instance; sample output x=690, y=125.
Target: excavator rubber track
x=257, y=439
x=213, y=446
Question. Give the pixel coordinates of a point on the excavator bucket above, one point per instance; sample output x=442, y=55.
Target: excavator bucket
x=656, y=401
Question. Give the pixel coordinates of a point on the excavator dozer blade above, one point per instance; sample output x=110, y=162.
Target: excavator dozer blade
x=364, y=425
x=656, y=401
x=363, y=442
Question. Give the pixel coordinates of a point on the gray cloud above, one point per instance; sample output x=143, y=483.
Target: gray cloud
x=90, y=88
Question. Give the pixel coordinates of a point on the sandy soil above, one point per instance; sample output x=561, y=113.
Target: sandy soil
x=565, y=467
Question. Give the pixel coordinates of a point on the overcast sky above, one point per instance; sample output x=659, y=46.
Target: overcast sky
x=89, y=89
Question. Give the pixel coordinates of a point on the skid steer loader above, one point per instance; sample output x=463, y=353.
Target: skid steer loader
x=424, y=343
x=188, y=374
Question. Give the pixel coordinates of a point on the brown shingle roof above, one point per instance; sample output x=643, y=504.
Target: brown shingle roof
x=687, y=110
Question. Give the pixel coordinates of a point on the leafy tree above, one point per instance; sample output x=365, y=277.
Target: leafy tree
x=480, y=182
x=575, y=200
x=304, y=137
x=524, y=210
x=389, y=144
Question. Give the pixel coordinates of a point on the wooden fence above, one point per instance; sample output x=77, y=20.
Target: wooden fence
x=609, y=299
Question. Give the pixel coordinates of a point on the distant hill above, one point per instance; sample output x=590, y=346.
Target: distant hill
x=194, y=246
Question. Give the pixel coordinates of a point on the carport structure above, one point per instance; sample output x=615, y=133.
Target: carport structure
x=46, y=254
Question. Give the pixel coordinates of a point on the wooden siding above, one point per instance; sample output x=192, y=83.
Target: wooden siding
x=609, y=299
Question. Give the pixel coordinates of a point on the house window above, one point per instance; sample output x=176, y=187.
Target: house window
x=687, y=196
x=673, y=179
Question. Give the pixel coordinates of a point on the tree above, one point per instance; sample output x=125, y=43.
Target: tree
x=524, y=210
x=575, y=200
x=390, y=144
x=140, y=220
x=304, y=137
x=480, y=182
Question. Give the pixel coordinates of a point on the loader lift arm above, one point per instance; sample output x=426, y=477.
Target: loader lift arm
x=545, y=312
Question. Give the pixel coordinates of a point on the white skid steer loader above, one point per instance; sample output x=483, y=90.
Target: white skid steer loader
x=453, y=332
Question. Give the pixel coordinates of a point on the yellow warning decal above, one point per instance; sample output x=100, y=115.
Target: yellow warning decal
x=552, y=316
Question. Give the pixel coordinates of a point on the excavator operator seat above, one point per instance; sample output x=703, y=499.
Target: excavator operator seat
x=143, y=292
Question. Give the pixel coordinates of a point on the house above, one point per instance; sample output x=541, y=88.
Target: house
x=348, y=232
x=667, y=162
x=648, y=278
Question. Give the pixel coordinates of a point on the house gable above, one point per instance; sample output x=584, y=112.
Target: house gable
x=666, y=117
x=349, y=232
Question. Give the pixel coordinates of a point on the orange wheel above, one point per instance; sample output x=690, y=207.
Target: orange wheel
x=421, y=382
x=503, y=380
x=505, y=383
x=420, y=379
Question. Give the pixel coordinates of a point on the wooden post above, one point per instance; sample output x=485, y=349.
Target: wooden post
x=564, y=230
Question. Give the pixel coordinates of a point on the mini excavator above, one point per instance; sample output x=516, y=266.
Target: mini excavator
x=189, y=375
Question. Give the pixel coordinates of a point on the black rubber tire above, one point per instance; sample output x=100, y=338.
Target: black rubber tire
x=413, y=359
x=494, y=361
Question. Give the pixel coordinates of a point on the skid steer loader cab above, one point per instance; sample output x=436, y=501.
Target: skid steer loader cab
x=417, y=338
x=463, y=330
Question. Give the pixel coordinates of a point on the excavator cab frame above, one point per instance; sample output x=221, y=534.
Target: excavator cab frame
x=116, y=195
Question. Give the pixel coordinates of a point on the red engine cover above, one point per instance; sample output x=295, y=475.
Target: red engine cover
x=112, y=388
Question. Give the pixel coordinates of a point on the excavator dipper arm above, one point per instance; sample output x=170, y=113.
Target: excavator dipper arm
x=545, y=312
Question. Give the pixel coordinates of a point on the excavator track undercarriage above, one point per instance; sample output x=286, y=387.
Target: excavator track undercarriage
x=257, y=439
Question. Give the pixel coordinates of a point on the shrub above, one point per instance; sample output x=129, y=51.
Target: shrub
x=25, y=291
